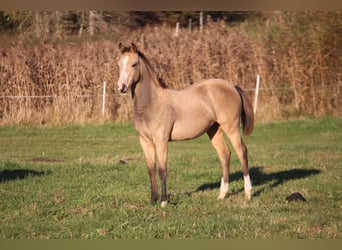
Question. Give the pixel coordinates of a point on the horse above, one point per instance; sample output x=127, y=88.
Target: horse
x=212, y=106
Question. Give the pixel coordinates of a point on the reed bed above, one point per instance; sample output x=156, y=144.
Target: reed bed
x=59, y=81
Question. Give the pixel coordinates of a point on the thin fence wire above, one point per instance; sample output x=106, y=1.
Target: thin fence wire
x=50, y=96
x=113, y=95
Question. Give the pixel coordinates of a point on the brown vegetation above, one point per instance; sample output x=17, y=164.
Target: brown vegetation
x=298, y=56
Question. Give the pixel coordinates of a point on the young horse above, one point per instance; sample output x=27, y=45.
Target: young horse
x=210, y=106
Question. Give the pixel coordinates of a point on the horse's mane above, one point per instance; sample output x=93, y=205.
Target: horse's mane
x=157, y=79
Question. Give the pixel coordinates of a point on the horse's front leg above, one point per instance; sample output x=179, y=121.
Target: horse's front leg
x=162, y=151
x=150, y=155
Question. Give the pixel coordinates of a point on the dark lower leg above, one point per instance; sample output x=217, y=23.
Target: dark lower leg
x=247, y=180
x=162, y=175
x=244, y=160
x=154, y=193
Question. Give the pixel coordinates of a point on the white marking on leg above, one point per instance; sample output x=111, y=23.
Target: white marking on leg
x=163, y=204
x=223, y=189
x=247, y=186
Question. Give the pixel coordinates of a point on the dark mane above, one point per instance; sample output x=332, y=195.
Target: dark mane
x=157, y=79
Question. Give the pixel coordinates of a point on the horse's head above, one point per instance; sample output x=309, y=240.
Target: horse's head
x=128, y=66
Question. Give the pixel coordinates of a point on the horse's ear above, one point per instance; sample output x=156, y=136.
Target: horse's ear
x=134, y=48
x=121, y=47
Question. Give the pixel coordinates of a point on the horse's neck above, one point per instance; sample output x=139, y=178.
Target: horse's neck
x=145, y=93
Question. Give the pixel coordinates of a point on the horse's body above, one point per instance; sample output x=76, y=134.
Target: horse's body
x=211, y=106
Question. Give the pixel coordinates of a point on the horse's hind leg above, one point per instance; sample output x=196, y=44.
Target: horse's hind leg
x=216, y=136
x=241, y=150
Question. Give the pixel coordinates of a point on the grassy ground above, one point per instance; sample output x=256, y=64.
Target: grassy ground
x=91, y=182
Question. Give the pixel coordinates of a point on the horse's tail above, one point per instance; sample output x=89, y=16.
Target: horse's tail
x=247, y=113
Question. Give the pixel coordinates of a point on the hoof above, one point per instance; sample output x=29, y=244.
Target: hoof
x=248, y=196
x=221, y=197
x=163, y=204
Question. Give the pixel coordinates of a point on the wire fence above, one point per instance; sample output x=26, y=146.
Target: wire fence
x=104, y=96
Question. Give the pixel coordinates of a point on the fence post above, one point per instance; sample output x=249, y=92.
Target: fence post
x=256, y=93
x=91, y=22
x=104, y=98
x=201, y=21
x=177, y=29
x=190, y=23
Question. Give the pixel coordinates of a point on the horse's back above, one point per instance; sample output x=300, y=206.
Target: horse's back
x=220, y=93
x=217, y=94
x=202, y=104
x=215, y=83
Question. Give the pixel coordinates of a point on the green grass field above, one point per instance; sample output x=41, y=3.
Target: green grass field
x=91, y=182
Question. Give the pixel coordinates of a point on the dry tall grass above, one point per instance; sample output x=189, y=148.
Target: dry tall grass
x=300, y=72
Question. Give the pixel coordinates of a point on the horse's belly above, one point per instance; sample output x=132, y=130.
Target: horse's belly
x=184, y=130
x=193, y=114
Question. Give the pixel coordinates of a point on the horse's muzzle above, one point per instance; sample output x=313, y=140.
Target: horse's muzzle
x=123, y=88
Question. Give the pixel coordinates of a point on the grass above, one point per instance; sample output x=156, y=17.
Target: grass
x=91, y=181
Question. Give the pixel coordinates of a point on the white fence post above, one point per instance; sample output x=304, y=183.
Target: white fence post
x=104, y=98
x=177, y=29
x=190, y=23
x=256, y=93
x=201, y=21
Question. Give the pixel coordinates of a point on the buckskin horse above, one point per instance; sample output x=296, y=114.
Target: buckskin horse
x=212, y=106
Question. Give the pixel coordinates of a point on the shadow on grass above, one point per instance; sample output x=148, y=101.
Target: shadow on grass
x=259, y=178
x=9, y=175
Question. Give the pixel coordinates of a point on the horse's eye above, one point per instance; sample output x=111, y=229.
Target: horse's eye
x=134, y=65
